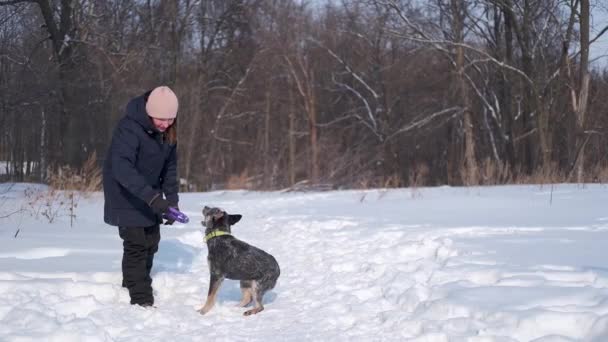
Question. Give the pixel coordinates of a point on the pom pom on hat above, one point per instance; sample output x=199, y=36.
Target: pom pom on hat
x=162, y=103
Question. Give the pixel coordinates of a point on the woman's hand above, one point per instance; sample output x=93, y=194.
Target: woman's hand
x=171, y=220
x=159, y=205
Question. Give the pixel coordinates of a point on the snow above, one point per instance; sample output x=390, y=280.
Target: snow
x=505, y=263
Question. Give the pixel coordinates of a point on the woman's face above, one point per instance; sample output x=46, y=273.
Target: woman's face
x=162, y=124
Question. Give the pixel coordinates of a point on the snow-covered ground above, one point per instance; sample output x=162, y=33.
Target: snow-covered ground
x=511, y=263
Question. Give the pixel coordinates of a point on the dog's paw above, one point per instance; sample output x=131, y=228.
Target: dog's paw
x=252, y=311
x=201, y=311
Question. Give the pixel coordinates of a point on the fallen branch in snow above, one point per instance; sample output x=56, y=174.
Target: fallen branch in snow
x=13, y=213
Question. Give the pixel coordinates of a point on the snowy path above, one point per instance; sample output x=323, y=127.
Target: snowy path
x=440, y=264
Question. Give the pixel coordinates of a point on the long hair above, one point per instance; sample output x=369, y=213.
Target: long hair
x=171, y=133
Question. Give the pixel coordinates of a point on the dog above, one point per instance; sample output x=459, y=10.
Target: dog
x=234, y=259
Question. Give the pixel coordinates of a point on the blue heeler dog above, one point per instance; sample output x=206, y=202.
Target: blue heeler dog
x=234, y=259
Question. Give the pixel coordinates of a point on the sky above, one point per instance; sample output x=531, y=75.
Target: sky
x=479, y=264
x=599, y=50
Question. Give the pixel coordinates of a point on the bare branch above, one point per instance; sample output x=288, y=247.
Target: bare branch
x=452, y=111
x=488, y=57
x=339, y=119
x=292, y=70
x=579, y=149
x=599, y=35
x=13, y=213
x=232, y=141
x=370, y=115
x=417, y=30
x=14, y=2
x=348, y=68
x=530, y=132
x=231, y=97
x=357, y=77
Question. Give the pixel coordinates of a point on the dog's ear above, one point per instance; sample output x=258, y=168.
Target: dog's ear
x=232, y=219
x=206, y=210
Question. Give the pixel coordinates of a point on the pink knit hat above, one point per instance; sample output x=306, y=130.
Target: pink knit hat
x=162, y=103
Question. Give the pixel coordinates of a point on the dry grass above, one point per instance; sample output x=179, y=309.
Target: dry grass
x=66, y=187
x=489, y=171
x=362, y=181
x=493, y=173
x=418, y=178
x=50, y=204
x=393, y=181
x=496, y=173
x=86, y=180
x=599, y=174
x=238, y=182
x=548, y=174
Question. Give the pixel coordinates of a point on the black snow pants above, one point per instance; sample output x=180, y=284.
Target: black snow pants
x=139, y=246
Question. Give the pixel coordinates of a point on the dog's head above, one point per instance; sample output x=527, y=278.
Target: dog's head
x=218, y=219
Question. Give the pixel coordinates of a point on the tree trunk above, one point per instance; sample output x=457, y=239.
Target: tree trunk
x=68, y=146
x=312, y=127
x=471, y=173
x=193, y=129
x=528, y=108
x=43, y=145
x=305, y=86
x=266, y=143
x=507, y=91
x=291, y=137
x=583, y=95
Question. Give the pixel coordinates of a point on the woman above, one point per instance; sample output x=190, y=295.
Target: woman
x=140, y=184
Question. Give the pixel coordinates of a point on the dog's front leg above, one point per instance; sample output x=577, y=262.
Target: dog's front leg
x=214, y=285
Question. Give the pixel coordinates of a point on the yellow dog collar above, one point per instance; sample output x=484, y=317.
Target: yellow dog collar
x=215, y=233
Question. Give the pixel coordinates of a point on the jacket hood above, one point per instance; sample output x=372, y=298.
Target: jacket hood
x=136, y=111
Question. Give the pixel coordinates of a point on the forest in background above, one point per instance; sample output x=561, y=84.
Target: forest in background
x=282, y=93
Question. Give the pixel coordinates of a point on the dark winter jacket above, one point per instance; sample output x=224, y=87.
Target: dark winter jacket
x=139, y=165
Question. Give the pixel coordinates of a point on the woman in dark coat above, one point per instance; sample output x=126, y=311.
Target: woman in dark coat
x=140, y=184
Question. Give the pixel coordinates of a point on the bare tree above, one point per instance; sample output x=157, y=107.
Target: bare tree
x=580, y=92
x=355, y=93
